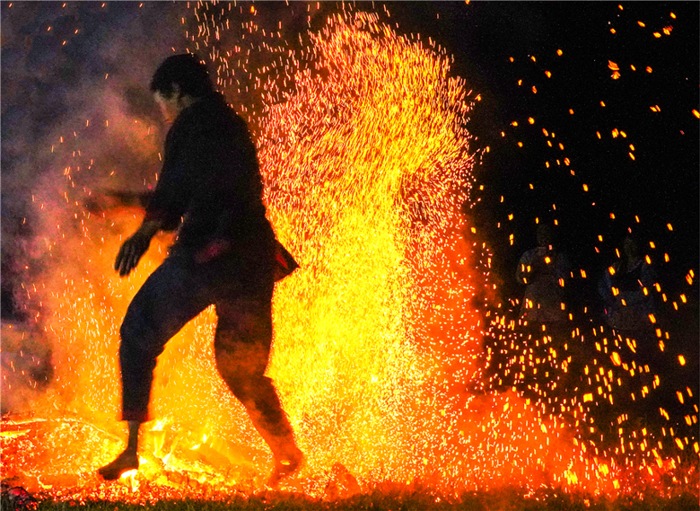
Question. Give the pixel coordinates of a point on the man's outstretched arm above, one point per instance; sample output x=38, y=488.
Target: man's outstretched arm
x=133, y=248
x=105, y=200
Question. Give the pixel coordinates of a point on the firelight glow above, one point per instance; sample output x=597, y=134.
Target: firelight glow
x=379, y=342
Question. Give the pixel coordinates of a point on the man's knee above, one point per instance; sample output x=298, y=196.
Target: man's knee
x=242, y=366
x=246, y=388
x=138, y=337
x=243, y=382
x=246, y=320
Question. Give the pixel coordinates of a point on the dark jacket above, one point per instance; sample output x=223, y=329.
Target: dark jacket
x=210, y=184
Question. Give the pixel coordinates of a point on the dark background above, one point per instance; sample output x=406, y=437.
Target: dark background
x=660, y=186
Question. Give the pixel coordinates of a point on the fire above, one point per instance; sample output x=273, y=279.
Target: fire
x=365, y=184
x=379, y=340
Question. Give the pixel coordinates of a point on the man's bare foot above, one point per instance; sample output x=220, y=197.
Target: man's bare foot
x=285, y=468
x=126, y=461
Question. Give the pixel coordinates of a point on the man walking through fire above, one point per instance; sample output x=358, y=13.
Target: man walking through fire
x=225, y=254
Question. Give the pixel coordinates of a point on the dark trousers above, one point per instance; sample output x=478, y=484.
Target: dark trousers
x=173, y=295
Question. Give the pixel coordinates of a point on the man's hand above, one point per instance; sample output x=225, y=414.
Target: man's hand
x=130, y=253
x=133, y=248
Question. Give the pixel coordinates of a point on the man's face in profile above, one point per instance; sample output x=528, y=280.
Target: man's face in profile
x=169, y=105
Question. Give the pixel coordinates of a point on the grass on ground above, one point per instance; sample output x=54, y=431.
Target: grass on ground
x=504, y=500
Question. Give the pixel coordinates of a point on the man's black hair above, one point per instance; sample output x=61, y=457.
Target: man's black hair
x=187, y=72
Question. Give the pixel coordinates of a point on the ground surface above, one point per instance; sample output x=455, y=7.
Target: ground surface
x=504, y=500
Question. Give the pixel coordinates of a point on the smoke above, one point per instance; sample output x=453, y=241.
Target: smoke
x=78, y=120
x=76, y=107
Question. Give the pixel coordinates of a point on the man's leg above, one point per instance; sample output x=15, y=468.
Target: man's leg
x=168, y=300
x=242, y=347
x=127, y=460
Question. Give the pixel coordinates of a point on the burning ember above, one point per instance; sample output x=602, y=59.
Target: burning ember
x=393, y=355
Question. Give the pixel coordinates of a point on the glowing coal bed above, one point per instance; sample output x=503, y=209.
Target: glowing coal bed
x=380, y=353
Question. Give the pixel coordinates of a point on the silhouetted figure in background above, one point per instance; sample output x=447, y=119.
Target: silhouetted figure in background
x=544, y=271
x=225, y=254
x=627, y=292
x=543, y=312
x=626, y=289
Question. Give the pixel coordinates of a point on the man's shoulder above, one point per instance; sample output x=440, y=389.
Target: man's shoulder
x=201, y=122
x=533, y=252
x=216, y=116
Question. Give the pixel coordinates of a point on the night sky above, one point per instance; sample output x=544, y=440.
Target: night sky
x=47, y=86
x=659, y=186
